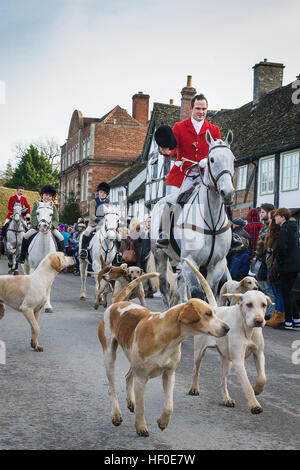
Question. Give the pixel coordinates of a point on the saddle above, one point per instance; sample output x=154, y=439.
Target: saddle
x=183, y=198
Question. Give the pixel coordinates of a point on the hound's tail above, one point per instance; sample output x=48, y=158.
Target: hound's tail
x=132, y=285
x=209, y=293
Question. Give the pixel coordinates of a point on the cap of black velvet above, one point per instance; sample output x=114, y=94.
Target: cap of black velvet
x=164, y=137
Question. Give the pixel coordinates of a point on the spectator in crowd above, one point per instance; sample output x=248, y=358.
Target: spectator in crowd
x=270, y=248
x=288, y=259
x=253, y=227
x=241, y=261
x=238, y=225
x=133, y=244
x=65, y=234
x=260, y=255
x=75, y=242
x=146, y=249
x=69, y=249
x=79, y=221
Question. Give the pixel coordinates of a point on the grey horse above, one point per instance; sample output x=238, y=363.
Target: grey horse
x=202, y=231
x=14, y=235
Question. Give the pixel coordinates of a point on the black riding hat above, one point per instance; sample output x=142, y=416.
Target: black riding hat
x=49, y=189
x=103, y=187
x=164, y=137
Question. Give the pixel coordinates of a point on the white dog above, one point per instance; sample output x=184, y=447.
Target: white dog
x=28, y=293
x=245, y=320
x=235, y=287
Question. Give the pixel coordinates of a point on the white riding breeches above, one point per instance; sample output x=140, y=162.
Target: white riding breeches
x=32, y=231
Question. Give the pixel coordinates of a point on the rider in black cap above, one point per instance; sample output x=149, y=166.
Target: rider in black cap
x=48, y=193
x=96, y=215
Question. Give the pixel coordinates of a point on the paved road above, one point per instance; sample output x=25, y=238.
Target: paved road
x=59, y=399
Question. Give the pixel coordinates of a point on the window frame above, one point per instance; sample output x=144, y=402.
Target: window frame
x=244, y=177
x=261, y=163
x=282, y=158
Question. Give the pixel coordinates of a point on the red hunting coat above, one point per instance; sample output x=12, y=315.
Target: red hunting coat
x=189, y=145
x=11, y=203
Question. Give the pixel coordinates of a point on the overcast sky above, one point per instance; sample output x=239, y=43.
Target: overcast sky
x=61, y=55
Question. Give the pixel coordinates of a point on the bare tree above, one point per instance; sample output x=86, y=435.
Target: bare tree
x=48, y=146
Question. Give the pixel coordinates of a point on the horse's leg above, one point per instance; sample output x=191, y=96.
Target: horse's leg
x=161, y=263
x=191, y=281
x=214, y=275
x=83, y=273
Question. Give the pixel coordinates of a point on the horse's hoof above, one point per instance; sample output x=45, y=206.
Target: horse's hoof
x=16, y=273
x=48, y=310
x=82, y=298
x=96, y=306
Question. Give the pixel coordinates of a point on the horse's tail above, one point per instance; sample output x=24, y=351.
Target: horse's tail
x=132, y=285
x=209, y=293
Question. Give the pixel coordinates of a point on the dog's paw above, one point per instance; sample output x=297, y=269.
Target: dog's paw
x=117, y=420
x=230, y=403
x=255, y=410
x=162, y=423
x=130, y=406
x=36, y=347
x=142, y=431
x=194, y=391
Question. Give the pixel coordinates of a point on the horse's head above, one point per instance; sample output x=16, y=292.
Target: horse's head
x=17, y=212
x=220, y=166
x=111, y=222
x=44, y=215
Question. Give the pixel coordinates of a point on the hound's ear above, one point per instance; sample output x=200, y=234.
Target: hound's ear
x=238, y=297
x=56, y=262
x=257, y=284
x=209, y=138
x=229, y=138
x=142, y=272
x=269, y=300
x=188, y=314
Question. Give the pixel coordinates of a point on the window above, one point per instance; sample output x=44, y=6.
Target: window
x=290, y=171
x=267, y=175
x=73, y=155
x=83, y=149
x=154, y=167
x=77, y=153
x=88, y=147
x=241, y=177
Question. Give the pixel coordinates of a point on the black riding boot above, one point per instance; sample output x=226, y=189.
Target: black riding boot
x=84, y=245
x=24, y=248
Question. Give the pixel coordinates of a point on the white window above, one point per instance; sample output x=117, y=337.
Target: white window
x=77, y=153
x=290, y=171
x=73, y=155
x=82, y=187
x=241, y=177
x=267, y=175
x=83, y=149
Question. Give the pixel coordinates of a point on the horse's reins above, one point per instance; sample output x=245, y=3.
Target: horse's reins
x=210, y=231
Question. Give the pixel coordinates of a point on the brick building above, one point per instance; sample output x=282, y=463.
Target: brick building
x=98, y=149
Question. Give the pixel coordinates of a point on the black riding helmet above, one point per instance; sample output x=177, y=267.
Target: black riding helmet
x=103, y=187
x=48, y=189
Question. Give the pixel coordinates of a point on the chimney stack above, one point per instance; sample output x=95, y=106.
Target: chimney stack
x=187, y=93
x=267, y=77
x=140, y=108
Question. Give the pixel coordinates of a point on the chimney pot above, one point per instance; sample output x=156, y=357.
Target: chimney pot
x=187, y=93
x=266, y=78
x=140, y=108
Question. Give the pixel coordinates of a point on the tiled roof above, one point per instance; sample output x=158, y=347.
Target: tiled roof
x=273, y=125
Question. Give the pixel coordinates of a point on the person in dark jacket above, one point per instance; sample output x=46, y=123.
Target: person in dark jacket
x=288, y=259
x=240, y=262
x=253, y=227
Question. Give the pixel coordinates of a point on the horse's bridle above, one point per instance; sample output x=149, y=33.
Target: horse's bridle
x=223, y=172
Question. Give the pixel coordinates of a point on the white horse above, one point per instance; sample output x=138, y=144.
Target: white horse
x=42, y=244
x=202, y=232
x=14, y=235
x=104, y=240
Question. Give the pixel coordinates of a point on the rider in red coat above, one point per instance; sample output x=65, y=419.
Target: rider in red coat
x=190, y=136
x=16, y=198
